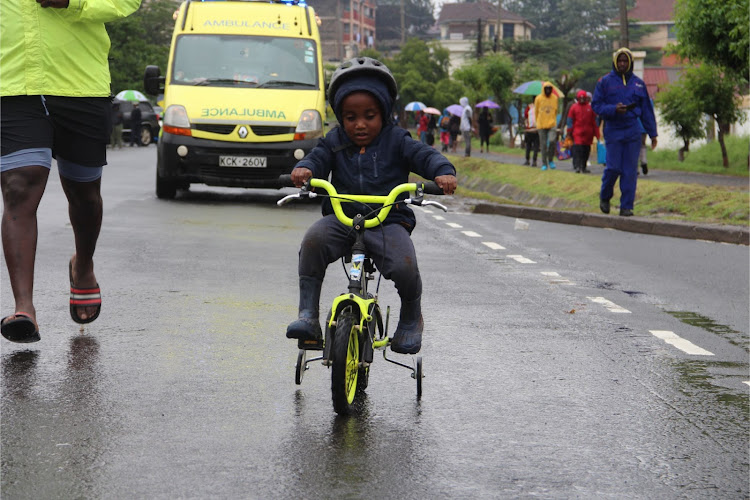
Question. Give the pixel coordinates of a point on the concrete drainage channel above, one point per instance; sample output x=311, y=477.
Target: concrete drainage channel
x=563, y=212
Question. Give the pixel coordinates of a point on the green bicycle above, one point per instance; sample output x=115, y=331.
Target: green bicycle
x=354, y=327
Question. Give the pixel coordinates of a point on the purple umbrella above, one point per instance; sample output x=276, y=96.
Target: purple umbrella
x=455, y=109
x=488, y=104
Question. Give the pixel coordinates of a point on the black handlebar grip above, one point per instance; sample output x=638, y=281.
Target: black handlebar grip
x=286, y=180
x=432, y=188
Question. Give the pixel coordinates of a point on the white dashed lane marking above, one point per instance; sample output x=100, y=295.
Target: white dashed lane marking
x=454, y=225
x=608, y=304
x=472, y=234
x=493, y=245
x=521, y=259
x=559, y=281
x=438, y=217
x=680, y=343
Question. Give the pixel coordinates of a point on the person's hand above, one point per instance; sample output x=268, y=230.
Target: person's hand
x=653, y=143
x=300, y=176
x=57, y=4
x=621, y=108
x=447, y=183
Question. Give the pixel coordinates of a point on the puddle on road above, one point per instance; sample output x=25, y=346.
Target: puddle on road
x=715, y=378
x=694, y=319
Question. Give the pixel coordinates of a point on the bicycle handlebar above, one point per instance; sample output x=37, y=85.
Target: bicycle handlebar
x=387, y=201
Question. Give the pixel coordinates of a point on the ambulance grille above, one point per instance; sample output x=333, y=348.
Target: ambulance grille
x=261, y=130
x=214, y=129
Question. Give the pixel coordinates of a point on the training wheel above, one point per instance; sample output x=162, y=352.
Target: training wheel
x=419, y=376
x=301, y=366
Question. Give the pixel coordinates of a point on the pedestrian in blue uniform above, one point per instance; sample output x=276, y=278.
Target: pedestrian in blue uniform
x=621, y=99
x=366, y=154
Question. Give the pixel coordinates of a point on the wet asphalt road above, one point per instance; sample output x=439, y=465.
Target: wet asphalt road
x=184, y=387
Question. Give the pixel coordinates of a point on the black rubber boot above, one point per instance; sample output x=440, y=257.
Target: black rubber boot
x=307, y=325
x=604, y=206
x=407, y=339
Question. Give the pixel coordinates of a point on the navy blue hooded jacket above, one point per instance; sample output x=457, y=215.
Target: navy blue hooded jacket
x=378, y=167
x=625, y=88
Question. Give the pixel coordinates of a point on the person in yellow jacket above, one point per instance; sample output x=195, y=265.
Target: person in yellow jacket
x=545, y=106
x=54, y=103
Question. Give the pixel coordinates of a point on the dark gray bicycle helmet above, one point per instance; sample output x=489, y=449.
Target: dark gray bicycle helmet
x=359, y=66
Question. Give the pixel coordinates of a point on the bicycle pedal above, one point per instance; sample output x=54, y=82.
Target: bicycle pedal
x=310, y=345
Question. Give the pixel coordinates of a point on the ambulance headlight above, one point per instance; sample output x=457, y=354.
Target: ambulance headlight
x=310, y=126
x=176, y=121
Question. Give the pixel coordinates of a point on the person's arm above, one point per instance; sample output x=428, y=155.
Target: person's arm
x=316, y=164
x=427, y=162
x=599, y=104
x=94, y=11
x=571, y=121
x=648, y=120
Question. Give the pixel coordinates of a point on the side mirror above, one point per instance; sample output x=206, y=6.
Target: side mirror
x=153, y=82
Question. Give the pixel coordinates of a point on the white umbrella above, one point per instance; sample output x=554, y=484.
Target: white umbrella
x=414, y=106
x=131, y=95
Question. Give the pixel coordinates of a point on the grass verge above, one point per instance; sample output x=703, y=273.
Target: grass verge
x=663, y=200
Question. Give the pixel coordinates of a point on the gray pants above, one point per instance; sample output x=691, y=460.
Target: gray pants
x=467, y=139
x=547, y=144
x=390, y=246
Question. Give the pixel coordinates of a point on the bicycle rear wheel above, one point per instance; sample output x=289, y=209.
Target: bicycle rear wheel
x=345, y=367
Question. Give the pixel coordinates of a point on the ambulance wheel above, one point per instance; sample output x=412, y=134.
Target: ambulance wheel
x=166, y=189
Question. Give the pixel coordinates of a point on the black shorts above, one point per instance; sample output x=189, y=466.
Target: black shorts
x=76, y=129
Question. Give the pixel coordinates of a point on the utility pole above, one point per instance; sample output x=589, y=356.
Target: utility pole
x=624, y=38
x=403, y=24
x=479, y=38
x=499, y=29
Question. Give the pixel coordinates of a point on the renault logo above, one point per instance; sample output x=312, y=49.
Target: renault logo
x=242, y=132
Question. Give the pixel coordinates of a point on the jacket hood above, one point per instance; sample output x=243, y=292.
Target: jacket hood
x=617, y=53
x=464, y=101
x=547, y=84
x=364, y=83
x=581, y=94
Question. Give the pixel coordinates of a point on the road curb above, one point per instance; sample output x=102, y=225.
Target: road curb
x=675, y=229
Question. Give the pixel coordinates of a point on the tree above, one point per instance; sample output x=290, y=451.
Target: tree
x=683, y=114
x=581, y=23
x=714, y=91
x=714, y=31
x=418, y=18
x=139, y=40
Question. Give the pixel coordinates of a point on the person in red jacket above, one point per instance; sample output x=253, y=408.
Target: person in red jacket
x=582, y=129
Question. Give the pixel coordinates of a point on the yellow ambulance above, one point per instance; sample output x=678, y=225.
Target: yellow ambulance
x=244, y=94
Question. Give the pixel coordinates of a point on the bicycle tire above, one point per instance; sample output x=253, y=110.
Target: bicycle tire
x=345, y=367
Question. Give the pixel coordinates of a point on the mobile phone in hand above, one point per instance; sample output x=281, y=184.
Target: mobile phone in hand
x=630, y=106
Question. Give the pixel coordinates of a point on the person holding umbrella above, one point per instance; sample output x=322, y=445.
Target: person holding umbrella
x=485, y=127
x=135, y=125
x=545, y=108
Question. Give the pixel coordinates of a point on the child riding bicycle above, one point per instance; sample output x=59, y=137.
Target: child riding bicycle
x=366, y=154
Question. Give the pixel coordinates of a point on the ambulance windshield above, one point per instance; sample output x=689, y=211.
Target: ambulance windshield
x=245, y=61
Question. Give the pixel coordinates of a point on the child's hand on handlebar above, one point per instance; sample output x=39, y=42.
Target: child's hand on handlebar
x=300, y=176
x=447, y=183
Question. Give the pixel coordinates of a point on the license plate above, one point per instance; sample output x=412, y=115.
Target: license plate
x=243, y=161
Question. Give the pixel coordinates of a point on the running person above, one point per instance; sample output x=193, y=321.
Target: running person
x=54, y=101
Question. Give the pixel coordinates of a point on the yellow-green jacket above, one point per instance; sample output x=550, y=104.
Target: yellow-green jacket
x=49, y=51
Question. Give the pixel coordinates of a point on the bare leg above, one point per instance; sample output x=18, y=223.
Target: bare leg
x=22, y=191
x=85, y=208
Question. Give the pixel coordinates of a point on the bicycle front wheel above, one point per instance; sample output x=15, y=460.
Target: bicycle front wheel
x=345, y=366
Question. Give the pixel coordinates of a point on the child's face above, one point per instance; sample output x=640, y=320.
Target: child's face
x=362, y=118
